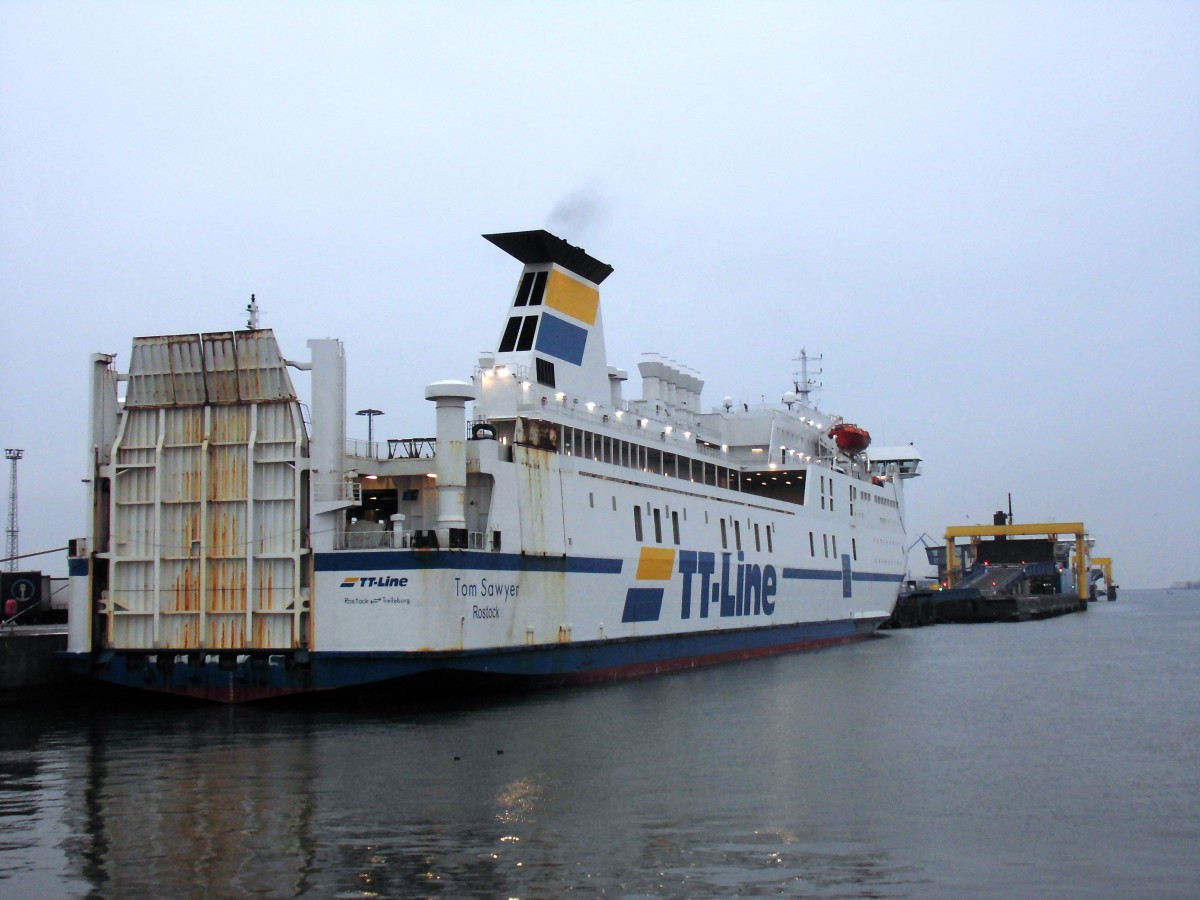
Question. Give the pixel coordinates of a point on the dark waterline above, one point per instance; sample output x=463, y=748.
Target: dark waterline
x=1050, y=759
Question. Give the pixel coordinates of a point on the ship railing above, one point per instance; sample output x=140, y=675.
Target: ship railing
x=365, y=536
x=624, y=420
x=393, y=448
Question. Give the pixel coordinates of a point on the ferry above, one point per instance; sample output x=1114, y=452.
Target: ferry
x=550, y=530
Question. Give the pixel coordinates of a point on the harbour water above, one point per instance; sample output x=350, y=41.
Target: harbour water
x=1058, y=758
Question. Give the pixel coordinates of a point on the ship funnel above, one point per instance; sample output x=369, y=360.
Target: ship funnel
x=553, y=329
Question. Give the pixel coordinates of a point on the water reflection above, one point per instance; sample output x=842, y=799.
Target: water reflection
x=898, y=767
x=601, y=789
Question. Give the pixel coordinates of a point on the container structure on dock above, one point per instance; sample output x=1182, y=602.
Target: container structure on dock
x=548, y=530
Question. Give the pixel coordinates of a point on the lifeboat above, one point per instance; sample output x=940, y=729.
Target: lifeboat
x=850, y=438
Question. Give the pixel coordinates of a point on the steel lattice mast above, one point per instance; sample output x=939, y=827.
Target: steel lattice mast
x=12, y=552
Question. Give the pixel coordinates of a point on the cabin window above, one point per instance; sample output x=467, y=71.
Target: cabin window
x=834, y=539
x=812, y=550
x=737, y=534
x=757, y=542
x=724, y=536
x=591, y=500
x=637, y=523
x=854, y=549
x=770, y=542
x=825, y=541
x=657, y=526
x=545, y=372
x=614, y=502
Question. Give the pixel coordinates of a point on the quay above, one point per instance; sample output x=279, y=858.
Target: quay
x=30, y=666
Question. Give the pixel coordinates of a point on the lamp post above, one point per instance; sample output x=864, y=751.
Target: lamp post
x=370, y=414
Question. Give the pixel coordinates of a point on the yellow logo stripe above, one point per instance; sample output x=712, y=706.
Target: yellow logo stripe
x=655, y=564
x=569, y=296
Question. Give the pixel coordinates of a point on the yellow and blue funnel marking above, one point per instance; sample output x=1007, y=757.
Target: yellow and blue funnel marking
x=571, y=297
x=644, y=604
x=558, y=337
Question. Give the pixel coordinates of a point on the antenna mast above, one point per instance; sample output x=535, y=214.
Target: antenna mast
x=252, y=314
x=13, y=456
x=802, y=380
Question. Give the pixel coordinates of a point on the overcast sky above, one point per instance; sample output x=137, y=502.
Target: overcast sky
x=985, y=217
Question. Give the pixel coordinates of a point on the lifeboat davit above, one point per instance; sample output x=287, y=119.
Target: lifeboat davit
x=850, y=438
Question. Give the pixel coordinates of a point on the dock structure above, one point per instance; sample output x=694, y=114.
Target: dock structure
x=29, y=659
x=955, y=573
x=1025, y=571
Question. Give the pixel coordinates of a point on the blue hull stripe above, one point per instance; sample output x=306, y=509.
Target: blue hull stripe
x=836, y=575
x=374, y=560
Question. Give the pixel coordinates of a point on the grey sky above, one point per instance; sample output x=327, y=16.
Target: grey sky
x=986, y=216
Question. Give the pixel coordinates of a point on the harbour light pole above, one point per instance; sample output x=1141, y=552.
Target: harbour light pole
x=370, y=414
x=13, y=456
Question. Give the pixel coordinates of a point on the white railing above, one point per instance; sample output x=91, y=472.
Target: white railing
x=393, y=448
x=380, y=539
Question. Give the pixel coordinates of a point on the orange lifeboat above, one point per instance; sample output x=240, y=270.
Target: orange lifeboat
x=850, y=438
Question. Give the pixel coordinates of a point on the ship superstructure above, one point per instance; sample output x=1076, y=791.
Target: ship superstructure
x=550, y=529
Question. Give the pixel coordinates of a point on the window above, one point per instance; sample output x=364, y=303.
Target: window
x=757, y=542
x=834, y=539
x=591, y=500
x=825, y=541
x=724, y=536
x=853, y=548
x=510, y=334
x=525, y=339
x=545, y=372
x=637, y=523
x=539, y=288
x=770, y=543
x=523, y=290
x=657, y=526
x=812, y=550
x=675, y=527
x=737, y=533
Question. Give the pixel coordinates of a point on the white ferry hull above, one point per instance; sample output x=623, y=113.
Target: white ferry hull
x=240, y=549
